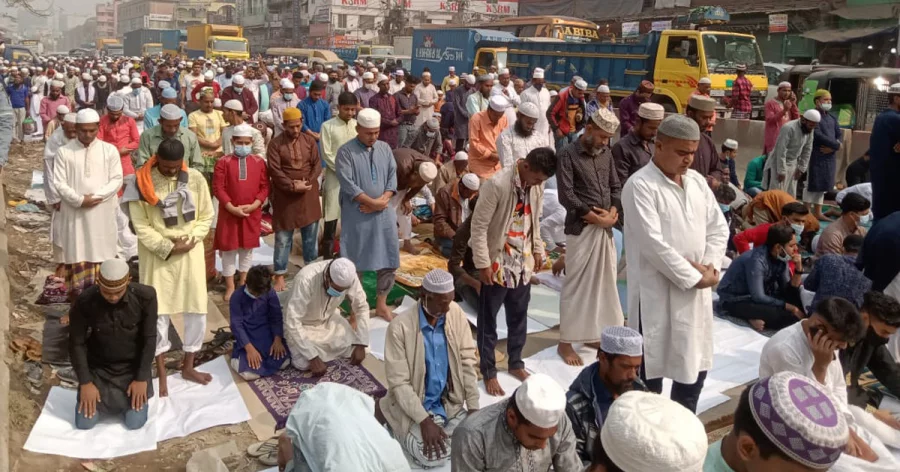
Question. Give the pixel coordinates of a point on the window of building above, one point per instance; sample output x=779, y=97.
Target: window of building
x=342, y=21
x=366, y=22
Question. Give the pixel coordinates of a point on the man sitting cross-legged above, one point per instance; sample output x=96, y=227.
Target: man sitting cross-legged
x=430, y=355
x=313, y=326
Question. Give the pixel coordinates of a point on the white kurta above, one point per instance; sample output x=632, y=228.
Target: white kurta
x=511, y=146
x=137, y=105
x=394, y=87
x=313, y=325
x=427, y=97
x=509, y=92
x=541, y=98
x=56, y=140
x=667, y=226
x=87, y=234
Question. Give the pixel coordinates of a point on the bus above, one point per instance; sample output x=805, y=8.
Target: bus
x=563, y=28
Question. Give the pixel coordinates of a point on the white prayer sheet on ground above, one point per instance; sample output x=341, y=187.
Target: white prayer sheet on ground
x=189, y=408
x=532, y=326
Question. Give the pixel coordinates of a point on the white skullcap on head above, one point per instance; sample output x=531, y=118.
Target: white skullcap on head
x=705, y=80
x=581, y=85
x=342, y=272
x=234, y=105
x=220, y=70
x=433, y=123
x=287, y=84
x=85, y=76
x=428, y=171
x=163, y=84
x=470, y=79
x=730, y=144
x=647, y=431
x=59, y=76
x=553, y=93
x=812, y=115
x=208, y=75
x=438, y=281
x=102, y=79
x=679, y=127
x=651, y=111
x=453, y=81
x=115, y=102
x=170, y=112
x=135, y=75
x=426, y=74
x=538, y=73
x=530, y=110
x=123, y=79
x=368, y=118
x=238, y=79
x=461, y=156
x=785, y=85
x=114, y=270
x=541, y=401
x=382, y=78
x=352, y=73
x=242, y=130
x=70, y=118
x=605, y=120
x=499, y=103
x=504, y=71
x=323, y=77
x=368, y=76
x=57, y=84
x=451, y=69
x=399, y=73
x=136, y=81
x=62, y=110
x=217, y=102
x=471, y=181
x=87, y=115
x=621, y=340
x=702, y=103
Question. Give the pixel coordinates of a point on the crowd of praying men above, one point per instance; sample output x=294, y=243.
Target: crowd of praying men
x=160, y=163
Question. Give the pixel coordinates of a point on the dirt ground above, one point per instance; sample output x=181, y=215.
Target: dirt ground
x=29, y=251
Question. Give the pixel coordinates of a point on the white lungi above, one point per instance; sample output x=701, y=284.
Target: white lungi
x=194, y=330
x=127, y=241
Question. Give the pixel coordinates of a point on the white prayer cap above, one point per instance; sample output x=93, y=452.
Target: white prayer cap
x=605, y=120
x=451, y=69
x=461, y=156
x=136, y=81
x=102, y=79
x=342, y=272
x=705, y=80
x=538, y=73
x=426, y=74
x=553, y=93
x=287, y=84
x=238, y=79
x=368, y=76
x=62, y=110
x=399, y=73
x=382, y=78
x=135, y=75
x=427, y=171
x=541, y=401
x=730, y=144
x=234, y=105
x=170, y=112
x=70, y=118
x=208, y=75
x=812, y=115
x=168, y=92
x=441, y=92
x=85, y=76
x=651, y=111
x=453, y=81
x=87, y=115
x=433, y=123
x=123, y=79
x=164, y=84
x=190, y=64
x=323, y=77
x=499, y=103
x=114, y=270
x=123, y=71
x=115, y=102
x=368, y=118
x=57, y=84
x=59, y=76
x=470, y=181
x=438, y=281
x=352, y=73
x=242, y=130
x=702, y=103
x=530, y=110
x=680, y=127
x=470, y=79
x=647, y=431
x=504, y=71
x=784, y=85
x=217, y=102
x=219, y=70
x=621, y=340
x=581, y=85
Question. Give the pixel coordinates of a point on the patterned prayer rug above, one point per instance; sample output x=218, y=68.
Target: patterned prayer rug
x=279, y=392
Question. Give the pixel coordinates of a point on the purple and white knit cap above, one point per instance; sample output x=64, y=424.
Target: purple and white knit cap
x=800, y=418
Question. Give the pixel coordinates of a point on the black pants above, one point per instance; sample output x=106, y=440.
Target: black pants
x=687, y=395
x=775, y=317
x=328, y=239
x=461, y=145
x=515, y=300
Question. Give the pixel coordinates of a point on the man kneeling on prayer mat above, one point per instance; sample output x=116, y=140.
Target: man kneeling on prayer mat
x=786, y=422
x=257, y=325
x=316, y=332
x=444, y=376
x=332, y=428
x=171, y=211
x=647, y=432
x=112, y=338
x=599, y=385
x=527, y=432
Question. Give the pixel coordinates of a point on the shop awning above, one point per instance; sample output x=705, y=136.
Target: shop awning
x=867, y=12
x=843, y=35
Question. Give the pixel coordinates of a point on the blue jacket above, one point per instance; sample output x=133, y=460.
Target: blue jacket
x=755, y=277
x=821, y=165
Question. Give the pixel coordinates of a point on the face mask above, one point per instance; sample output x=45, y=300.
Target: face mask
x=725, y=208
x=243, y=150
x=825, y=106
x=873, y=339
x=865, y=220
x=247, y=291
x=798, y=228
x=332, y=292
x=239, y=89
x=135, y=92
x=429, y=134
x=288, y=96
x=784, y=256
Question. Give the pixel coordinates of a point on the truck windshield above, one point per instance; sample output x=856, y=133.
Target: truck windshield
x=154, y=50
x=501, y=60
x=724, y=52
x=115, y=51
x=229, y=45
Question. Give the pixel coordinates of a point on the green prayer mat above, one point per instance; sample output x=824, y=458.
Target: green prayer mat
x=369, y=283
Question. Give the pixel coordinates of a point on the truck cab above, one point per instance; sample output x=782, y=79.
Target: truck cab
x=18, y=55
x=151, y=49
x=228, y=47
x=485, y=57
x=684, y=56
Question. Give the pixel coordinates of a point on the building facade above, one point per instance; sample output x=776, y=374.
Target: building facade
x=106, y=15
x=145, y=14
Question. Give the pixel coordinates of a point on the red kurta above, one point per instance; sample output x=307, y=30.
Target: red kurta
x=233, y=232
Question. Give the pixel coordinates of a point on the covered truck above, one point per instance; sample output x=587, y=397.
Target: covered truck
x=210, y=41
x=149, y=42
x=438, y=49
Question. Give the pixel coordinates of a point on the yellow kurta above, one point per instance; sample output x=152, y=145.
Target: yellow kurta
x=335, y=133
x=180, y=280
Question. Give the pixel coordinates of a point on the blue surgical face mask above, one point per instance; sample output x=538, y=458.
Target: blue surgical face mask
x=243, y=150
x=865, y=220
x=247, y=291
x=725, y=208
x=784, y=256
x=798, y=228
x=136, y=91
x=333, y=292
x=288, y=96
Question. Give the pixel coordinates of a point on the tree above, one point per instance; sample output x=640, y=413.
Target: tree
x=31, y=6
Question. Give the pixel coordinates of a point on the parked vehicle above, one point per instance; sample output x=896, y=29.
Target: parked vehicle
x=773, y=75
x=18, y=55
x=210, y=41
x=310, y=56
x=463, y=48
x=147, y=42
x=857, y=95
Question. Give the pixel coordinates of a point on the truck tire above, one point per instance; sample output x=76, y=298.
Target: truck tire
x=666, y=102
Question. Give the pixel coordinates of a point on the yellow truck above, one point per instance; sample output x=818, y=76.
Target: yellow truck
x=210, y=41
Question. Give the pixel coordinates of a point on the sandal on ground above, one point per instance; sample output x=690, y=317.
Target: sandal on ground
x=262, y=448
